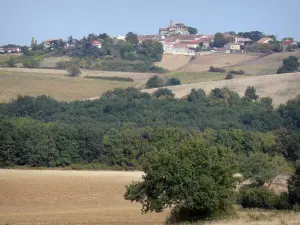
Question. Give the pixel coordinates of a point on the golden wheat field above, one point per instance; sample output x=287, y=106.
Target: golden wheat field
x=53, y=197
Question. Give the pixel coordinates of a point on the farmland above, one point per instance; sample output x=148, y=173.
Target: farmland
x=281, y=87
x=54, y=83
x=52, y=197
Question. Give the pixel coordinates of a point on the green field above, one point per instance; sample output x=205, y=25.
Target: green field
x=58, y=86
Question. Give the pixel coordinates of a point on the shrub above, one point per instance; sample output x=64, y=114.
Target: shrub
x=229, y=76
x=237, y=71
x=154, y=82
x=258, y=197
x=31, y=62
x=125, y=79
x=11, y=62
x=250, y=93
x=283, y=201
x=294, y=188
x=61, y=64
x=173, y=81
x=163, y=92
x=289, y=65
x=216, y=69
x=73, y=70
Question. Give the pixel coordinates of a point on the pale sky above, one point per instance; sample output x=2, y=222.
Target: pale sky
x=24, y=19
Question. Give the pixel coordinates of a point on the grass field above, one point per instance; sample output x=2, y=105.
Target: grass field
x=51, y=197
x=57, y=85
x=5, y=57
x=194, y=77
x=281, y=87
x=265, y=65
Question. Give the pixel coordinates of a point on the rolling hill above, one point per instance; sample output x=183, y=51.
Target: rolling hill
x=280, y=88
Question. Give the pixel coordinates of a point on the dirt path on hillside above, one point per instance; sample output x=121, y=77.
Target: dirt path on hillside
x=52, y=197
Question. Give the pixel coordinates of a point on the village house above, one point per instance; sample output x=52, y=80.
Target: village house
x=233, y=47
x=97, y=44
x=177, y=29
x=265, y=40
x=288, y=45
x=242, y=40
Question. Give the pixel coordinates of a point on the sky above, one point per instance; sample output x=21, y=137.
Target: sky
x=24, y=19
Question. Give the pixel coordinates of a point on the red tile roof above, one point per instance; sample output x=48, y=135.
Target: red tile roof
x=95, y=42
x=287, y=42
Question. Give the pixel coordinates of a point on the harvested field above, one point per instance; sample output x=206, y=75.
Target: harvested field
x=280, y=88
x=202, y=63
x=30, y=197
x=266, y=65
x=51, y=61
x=173, y=62
x=135, y=76
x=52, y=197
x=195, y=77
x=36, y=82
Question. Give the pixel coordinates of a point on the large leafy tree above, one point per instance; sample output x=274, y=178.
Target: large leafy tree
x=253, y=35
x=154, y=82
x=132, y=38
x=289, y=65
x=192, y=175
x=220, y=40
x=192, y=30
x=152, y=49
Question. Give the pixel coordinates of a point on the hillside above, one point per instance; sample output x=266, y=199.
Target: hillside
x=279, y=87
x=202, y=63
x=265, y=65
x=55, y=83
x=173, y=62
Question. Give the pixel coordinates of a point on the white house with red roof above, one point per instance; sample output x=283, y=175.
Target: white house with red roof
x=286, y=44
x=97, y=44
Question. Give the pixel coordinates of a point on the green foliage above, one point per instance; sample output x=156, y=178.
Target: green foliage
x=294, y=188
x=237, y=72
x=220, y=40
x=229, y=76
x=259, y=168
x=171, y=178
x=173, y=81
x=62, y=64
x=192, y=30
x=261, y=197
x=73, y=70
x=250, y=93
x=125, y=49
x=152, y=50
x=32, y=62
x=253, y=35
x=124, y=79
x=216, y=69
x=163, y=93
x=154, y=82
x=11, y=62
x=290, y=65
x=132, y=38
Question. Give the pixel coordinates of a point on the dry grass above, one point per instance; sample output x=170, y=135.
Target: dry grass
x=202, y=63
x=194, y=77
x=266, y=65
x=57, y=85
x=173, y=62
x=279, y=87
x=51, y=197
x=5, y=57
x=30, y=197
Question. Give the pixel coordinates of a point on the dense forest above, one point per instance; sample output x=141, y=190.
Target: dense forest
x=124, y=125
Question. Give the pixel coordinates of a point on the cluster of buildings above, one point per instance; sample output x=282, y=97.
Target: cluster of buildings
x=9, y=50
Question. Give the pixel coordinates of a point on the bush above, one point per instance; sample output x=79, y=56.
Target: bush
x=125, y=79
x=163, y=92
x=216, y=69
x=154, y=82
x=61, y=64
x=73, y=70
x=11, y=62
x=32, y=62
x=289, y=65
x=237, y=71
x=259, y=197
x=229, y=76
x=173, y=81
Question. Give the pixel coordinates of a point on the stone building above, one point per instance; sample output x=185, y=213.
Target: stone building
x=172, y=30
